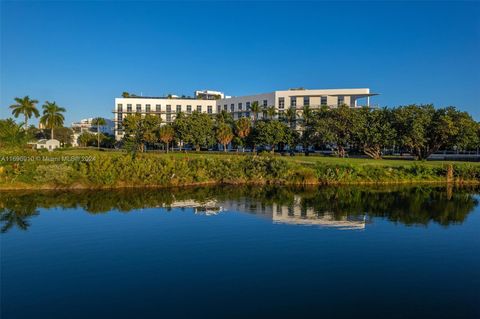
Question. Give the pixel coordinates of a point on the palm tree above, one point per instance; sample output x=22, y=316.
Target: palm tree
x=99, y=121
x=224, y=135
x=52, y=116
x=307, y=115
x=26, y=107
x=84, y=138
x=166, y=133
x=271, y=112
x=255, y=108
x=243, y=128
x=291, y=116
x=12, y=134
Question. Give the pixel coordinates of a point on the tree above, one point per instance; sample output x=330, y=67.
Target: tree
x=52, y=116
x=107, y=141
x=255, y=108
x=99, y=121
x=243, y=126
x=291, y=116
x=224, y=117
x=423, y=130
x=125, y=94
x=166, y=134
x=26, y=107
x=270, y=133
x=64, y=135
x=334, y=127
x=374, y=131
x=85, y=138
x=307, y=115
x=140, y=131
x=456, y=129
x=224, y=135
x=196, y=129
x=271, y=112
x=181, y=128
x=12, y=134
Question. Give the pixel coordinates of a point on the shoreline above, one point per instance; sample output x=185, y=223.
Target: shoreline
x=163, y=172
x=20, y=187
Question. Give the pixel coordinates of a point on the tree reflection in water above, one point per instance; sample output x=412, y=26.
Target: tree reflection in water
x=406, y=205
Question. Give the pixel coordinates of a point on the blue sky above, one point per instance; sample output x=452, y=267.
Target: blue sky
x=84, y=54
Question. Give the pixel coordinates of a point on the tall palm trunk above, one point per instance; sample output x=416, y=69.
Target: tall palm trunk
x=98, y=136
x=26, y=122
x=51, y=133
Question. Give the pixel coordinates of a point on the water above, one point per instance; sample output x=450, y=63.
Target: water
x=241, y=252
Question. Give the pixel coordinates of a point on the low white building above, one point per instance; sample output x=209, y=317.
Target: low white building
x=50, y=145
x=86, y=125
x=213, y=102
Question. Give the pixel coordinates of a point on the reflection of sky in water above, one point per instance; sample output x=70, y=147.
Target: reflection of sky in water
x=229, y=257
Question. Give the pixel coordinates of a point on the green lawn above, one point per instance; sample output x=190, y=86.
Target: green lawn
x=298, y=158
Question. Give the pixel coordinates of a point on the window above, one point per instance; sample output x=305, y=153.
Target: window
x=219, y=108
x=247, y=106
x=169, y=117
x=293, y=101
x=306, y=101
x=232, y=107
x=147, y=107
x=119, y=116
x=139, y=107
x=169, y=108
x=225, y=107
x=158, y=108
x=281, y=102
x=199, y=108
x=240, y=107
x=119, y=107
x=179, y=108
x=209, y=109
x=341, y=100
x=247, y=114
x=129, y=107
x=265, y=102
x=189, y=109
x=323, y=100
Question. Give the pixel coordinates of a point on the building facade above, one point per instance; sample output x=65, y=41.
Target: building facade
x=213, y=102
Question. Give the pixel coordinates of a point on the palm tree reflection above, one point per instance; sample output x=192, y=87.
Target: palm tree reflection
x=16, y=212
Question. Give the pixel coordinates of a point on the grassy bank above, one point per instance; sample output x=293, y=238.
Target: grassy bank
x=93, y=169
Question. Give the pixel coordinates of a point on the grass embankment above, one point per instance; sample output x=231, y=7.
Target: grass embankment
x=94, y=169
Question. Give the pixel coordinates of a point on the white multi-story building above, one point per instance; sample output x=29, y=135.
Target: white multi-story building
x=213, y=102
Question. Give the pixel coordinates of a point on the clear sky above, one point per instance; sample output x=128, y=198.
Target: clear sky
x=84, y=54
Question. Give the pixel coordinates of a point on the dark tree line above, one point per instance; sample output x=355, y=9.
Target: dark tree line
x=417, y=129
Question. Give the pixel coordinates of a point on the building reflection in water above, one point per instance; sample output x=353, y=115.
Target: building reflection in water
x=341, y=208
x=294, y=214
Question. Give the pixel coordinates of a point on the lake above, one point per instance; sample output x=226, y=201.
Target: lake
x=242, y=252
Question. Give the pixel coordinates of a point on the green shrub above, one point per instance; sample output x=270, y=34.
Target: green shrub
x=57, y=174
x=121, y=169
